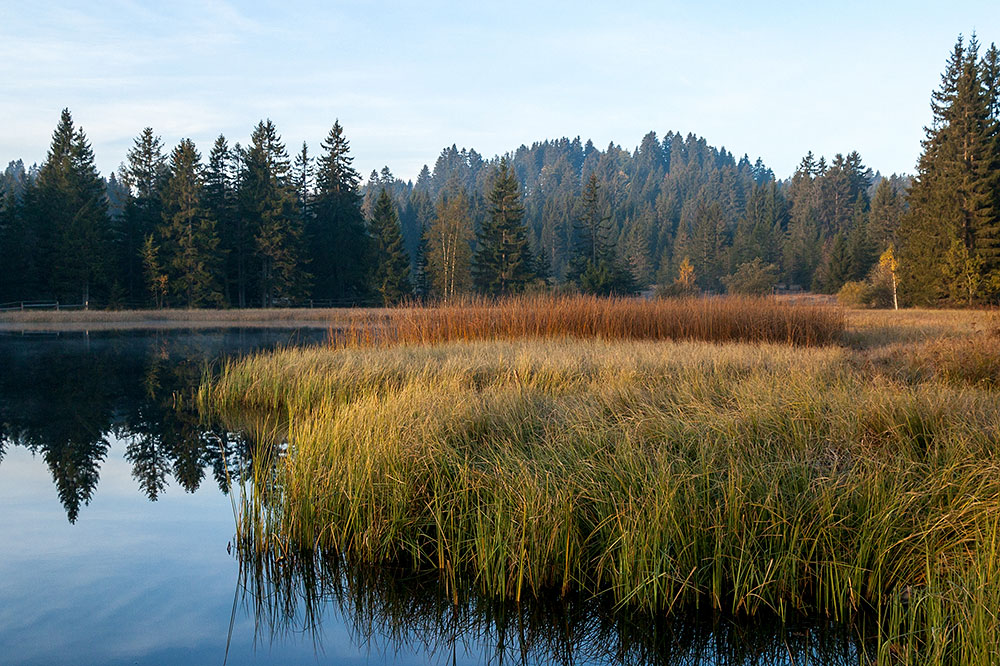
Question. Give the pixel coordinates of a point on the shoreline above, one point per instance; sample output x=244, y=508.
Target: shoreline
x=132, y=320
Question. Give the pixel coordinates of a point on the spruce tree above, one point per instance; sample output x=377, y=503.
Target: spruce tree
x=188, y=236
x=145, y=174
x=887, y=208
x=337, y=239
x=595, y=267
x=840, y=265
x=71, y=214
x=220, y=204
x=268, y=199
x=954, y=195
x=502, y=263
x=390, y=265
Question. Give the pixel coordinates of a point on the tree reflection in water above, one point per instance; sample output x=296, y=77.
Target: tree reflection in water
x=394, y=612
x=67, y=398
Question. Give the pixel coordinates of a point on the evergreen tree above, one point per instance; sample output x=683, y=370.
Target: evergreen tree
x=887, y=208
x=391, y=265
x=502, y=263
x=595, y=268
x=145, y=174
x=188, y=233
x=839, y=266
x=220, y=204
x=761, y=228
x=706, y=243
x=954, y=195
x=337, y=239
x=70, y=209
x=268, y=200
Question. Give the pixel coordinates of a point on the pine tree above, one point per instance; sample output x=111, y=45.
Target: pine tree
x=156, y=278
x=954, y=196
x=188, y=236
x=502, y=263
x=595, y=267
x=220, y=204
x=883, y=218
x=391, y=265
x=71, y=213
x=707, y=243
x=268, y=197
x=802, y=244
x=145, y=174
x=840, y=265
x=337, y=239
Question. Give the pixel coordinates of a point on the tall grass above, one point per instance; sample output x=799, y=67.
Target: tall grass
x=713, y=320
x=748, y=478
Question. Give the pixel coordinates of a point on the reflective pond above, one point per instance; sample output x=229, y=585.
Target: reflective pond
x=116, y=536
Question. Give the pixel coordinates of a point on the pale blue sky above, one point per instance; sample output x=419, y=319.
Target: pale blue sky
x=408, y=78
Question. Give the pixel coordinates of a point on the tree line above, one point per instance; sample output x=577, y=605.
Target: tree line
x=252, y=226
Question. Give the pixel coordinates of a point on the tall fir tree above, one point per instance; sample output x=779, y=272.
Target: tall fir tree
x=390, y=263
x=70, y=209
x=268, y=197
x=337, y=238
x=503, y=261
x=145, y=173
x=595, y=267
x=220, y=204
x=887, y=208
x=188, y=236
x=954, y=195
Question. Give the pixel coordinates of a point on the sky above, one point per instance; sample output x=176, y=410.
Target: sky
x=406, y=79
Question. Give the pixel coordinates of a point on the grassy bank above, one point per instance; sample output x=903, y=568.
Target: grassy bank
x=747, y=477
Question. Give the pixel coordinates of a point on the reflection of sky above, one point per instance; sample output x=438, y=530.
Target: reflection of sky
x=132, y=581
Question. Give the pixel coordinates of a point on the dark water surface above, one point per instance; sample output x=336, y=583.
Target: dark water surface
x=115, y=534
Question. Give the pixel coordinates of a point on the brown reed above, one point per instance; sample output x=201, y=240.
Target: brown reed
x=716, y=320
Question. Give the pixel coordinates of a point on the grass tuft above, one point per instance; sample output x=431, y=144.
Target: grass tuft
x=751, y=478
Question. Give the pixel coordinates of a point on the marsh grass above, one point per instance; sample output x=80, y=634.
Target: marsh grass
x=532, y=317
x=749, y=478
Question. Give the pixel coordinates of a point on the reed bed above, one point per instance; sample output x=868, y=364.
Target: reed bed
x=578, y=316
x=759, y=478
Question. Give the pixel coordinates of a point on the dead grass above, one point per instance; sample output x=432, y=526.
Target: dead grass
x=712, y=320
x=716, y=320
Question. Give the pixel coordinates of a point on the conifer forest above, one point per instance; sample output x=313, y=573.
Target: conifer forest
x=263, y=224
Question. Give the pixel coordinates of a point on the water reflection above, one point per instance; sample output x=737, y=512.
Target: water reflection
x=85, y=403
x=394, y=612
x=64, y=397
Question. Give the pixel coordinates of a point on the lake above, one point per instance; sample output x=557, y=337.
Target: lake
x=116, y=533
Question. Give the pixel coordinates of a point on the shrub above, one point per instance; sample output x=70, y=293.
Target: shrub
x=753, y=278
x=855, y=295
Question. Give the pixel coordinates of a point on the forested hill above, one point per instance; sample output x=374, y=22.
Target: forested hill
x=675, y=197
x=264, y=228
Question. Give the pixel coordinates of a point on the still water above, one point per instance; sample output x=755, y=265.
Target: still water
x=116, y=533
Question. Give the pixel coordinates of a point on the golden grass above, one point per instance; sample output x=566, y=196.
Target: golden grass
x=749, y=477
